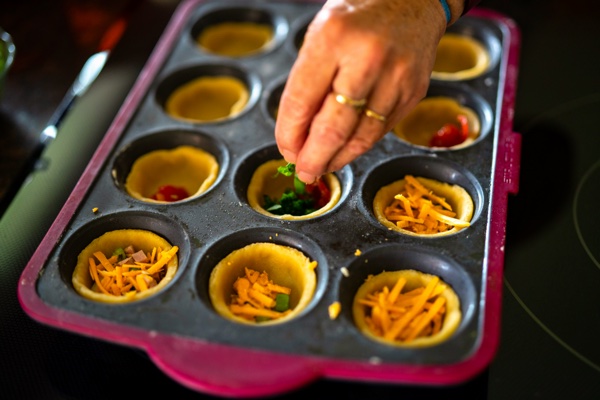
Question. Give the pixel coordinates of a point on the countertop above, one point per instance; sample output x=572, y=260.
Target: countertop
x=550, y=321
x=53, y=41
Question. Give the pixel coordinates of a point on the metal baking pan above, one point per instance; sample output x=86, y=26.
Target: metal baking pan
x=179, y=329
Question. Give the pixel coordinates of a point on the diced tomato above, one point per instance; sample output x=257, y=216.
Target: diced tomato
x=451, y=135
x=170, y=193
x=320, y=192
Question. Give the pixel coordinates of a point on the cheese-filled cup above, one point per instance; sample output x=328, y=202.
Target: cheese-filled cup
x=101, y=274
x=406, y=308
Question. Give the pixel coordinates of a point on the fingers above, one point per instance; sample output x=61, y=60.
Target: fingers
x=317, y=112
x=328, y=133
x=335, y=123
x=307, y=86
x=373, y=122
x=389, y=102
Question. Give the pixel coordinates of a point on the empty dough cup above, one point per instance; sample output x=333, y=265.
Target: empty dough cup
x=207, y=99
x=235, y=39
x=459, y=57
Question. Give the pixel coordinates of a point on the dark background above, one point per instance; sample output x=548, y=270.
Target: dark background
x=551, y=302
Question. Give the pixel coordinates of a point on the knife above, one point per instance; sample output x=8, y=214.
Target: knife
x=88, y=74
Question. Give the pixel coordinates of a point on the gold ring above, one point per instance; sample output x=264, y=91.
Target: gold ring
x=345, y=100
x=373, y=114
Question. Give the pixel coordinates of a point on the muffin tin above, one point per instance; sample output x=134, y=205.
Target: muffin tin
x=179, y=328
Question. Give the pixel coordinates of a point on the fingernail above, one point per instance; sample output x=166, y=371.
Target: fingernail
x=288, y=156
x=306, y=178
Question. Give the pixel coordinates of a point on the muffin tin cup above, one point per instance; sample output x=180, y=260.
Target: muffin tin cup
x=170, y=139
x=466, y=99
x=477, y=38
x=241, y=14
x=180, y=328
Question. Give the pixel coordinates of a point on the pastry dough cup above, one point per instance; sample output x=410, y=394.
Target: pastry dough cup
x=235, y=39
x=107, y=244
x=431, y=114
x=208, y=99
x=285, y=266
x=459, y=57
x=267, y=181
x=414, y=279
x=458, y=198
x=184, y=166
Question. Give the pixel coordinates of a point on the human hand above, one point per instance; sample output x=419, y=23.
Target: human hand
x=377, y=52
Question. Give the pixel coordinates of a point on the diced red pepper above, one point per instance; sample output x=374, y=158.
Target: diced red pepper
x=170, y=193
x=451, y=135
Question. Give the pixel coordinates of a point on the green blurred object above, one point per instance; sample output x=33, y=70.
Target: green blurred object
x=7, y=55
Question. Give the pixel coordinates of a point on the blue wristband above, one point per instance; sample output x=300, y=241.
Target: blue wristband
x=446, y=11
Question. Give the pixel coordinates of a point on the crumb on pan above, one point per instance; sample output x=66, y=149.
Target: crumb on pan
x=334, y=309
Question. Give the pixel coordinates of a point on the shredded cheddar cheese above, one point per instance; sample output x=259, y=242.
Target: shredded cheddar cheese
x=419, y=210
x=334, y=309
x=125, y=277
x=255, y=296
x=403, y=316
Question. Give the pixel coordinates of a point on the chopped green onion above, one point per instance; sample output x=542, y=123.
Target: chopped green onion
x=282, y=302
x=120, y=253
x=299, y=186
x=288, y=170
x=293, y=202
